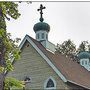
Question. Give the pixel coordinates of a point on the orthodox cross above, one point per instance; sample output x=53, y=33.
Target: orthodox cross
x=41, y=12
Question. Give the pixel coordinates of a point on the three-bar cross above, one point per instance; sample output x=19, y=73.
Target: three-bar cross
x=41, y=12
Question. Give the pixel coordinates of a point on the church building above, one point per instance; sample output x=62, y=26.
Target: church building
x=43, y=68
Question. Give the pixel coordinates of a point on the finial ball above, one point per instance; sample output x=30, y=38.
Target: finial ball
x=41, y=19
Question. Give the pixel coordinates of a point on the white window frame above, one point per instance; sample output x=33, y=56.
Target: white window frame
x=45, y=84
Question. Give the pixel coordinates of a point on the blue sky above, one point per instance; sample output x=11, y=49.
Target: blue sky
x=68, y=20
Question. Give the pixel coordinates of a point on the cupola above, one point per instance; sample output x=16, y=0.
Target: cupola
x=41, y=28
x=84, y=59
x=84, y=55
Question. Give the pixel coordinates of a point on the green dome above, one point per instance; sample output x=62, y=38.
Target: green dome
x=83, y=55
x=41, y=26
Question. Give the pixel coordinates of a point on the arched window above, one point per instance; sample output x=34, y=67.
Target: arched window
x=50, y=83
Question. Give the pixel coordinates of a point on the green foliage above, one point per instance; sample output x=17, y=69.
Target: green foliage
x=67, y=48
x=84, y=46
x=1, y=69
x=12, y=51
x=2, y=23
x=9, y=66
x=2, y=32
x=12, y=82
x=11, y=9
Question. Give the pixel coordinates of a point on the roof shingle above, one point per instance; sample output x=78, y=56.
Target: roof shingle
x=73, y=71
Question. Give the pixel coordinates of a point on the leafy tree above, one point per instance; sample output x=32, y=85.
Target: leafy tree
x=84, y=46
x=8, y=9
x=67, y=48
x=88, y=47
x=12, y=82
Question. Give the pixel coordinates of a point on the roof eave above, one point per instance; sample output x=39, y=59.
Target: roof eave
x=78, y=84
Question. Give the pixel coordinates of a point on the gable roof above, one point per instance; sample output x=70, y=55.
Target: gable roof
x=67, y=69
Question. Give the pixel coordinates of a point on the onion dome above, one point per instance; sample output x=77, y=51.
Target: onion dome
x=41, y=26
x=84, y=55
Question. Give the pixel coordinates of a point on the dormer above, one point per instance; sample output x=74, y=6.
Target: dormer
x=84, y=58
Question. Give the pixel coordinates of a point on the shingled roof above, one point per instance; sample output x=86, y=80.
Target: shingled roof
x=71, y=70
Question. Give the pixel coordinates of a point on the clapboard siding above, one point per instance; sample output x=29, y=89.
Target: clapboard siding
x=33, y=65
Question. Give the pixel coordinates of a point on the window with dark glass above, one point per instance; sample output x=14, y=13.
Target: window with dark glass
x=85, y=62
x=46, y=36
x=50, y=83
x=82, y=63
x=38, y=35
x=42, y=35
x=27, y=79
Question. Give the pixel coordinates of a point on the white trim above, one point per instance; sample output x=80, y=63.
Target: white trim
x=47, y=60
x=50, y=50
x=78, y=84
x=44, y=56
x=47, y=82
x=23, y=41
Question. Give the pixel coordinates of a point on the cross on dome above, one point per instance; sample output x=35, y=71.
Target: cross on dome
x=41, y=12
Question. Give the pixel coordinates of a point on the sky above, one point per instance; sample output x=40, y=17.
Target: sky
x=67, y=20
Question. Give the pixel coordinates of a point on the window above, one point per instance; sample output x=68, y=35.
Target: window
x=46, y=36
x=50, y=83
x=42, y=35
x=27, y=79
x=38, y=36
x=82, y=63
x=85, y=62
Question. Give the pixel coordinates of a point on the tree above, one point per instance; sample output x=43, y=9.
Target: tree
x=13, y=83
x=84, y=46
x=67, y=48
x=8, y=9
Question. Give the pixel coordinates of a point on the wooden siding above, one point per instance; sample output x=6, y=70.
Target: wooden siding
x=34, y=66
